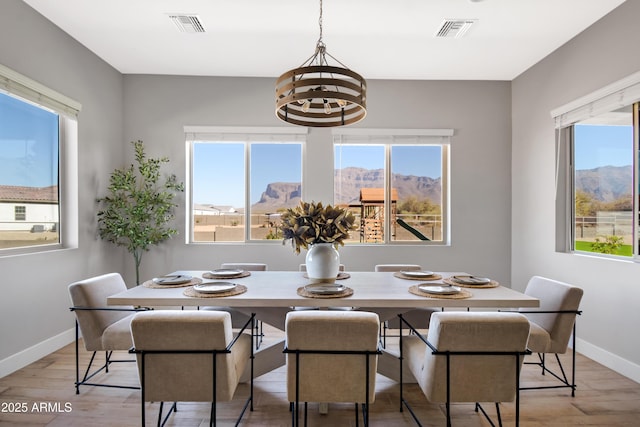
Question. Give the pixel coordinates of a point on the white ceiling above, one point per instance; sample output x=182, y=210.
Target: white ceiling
x=380, y=39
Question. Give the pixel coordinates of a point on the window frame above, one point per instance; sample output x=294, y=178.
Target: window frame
x=20, y=213
x=247, y=136
x=30, y=91
x=403, y=137
x=622, y=93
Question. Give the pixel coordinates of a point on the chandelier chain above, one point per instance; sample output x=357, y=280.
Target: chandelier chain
x=320, y=23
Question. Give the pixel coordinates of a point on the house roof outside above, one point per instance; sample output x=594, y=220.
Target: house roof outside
x=20, y=194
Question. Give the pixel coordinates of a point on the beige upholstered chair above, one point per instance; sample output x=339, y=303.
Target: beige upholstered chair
x=190, y=356
x=397, y=267
x=239, y=318
x=418, y=317
x=467, y=357
x=332, y=356
x=103, y=328
x=553, y=325
x=248, y=266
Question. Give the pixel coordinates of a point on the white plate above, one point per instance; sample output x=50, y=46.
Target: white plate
x=471, y=280
x=176, y=279
x=226, y=272
x=325, y=288
x=417, y=274
x=214, y=287
x=439, y=290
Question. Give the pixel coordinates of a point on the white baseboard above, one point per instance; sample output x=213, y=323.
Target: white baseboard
x=36, y=352
x=610, y=360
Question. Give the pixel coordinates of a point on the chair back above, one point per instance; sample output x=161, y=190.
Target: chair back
x=555, y=296
x=247, y=266
x=474, y=378
x=331, y=377
x=187, y=376
x=93, y=293
x=397, y=267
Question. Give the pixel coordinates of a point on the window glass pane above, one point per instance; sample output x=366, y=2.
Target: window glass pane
x=29, y=148
x=603, y=177
x=218, y=192
x=416, y=183
x=276, y=183
x=359, y=182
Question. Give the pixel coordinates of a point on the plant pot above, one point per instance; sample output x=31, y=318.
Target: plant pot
x=323, y=263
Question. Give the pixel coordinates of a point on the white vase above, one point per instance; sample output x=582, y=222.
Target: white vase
x=323, y=262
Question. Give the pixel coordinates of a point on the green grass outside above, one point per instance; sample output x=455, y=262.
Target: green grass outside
x=624, y=250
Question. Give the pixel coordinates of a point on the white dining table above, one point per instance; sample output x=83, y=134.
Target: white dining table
x=271, y=294
x=279, y=289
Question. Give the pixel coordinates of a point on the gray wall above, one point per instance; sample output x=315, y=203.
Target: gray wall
x=158, y=107
x=34, y=304
x=602, y=54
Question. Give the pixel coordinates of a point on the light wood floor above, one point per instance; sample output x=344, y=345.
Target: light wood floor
x=603, y=398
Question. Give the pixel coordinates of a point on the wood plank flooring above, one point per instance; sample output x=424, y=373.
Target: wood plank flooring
x=45, y=390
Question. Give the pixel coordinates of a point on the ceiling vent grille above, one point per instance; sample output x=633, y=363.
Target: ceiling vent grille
x=187, y=23
x=455, y=28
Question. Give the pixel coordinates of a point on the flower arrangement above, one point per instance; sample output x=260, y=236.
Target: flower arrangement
x=310, y=223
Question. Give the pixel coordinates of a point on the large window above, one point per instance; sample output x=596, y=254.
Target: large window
x=36, y=126
x=241, y=183
x=597, y=177
x=395, y=185
x=603, y=184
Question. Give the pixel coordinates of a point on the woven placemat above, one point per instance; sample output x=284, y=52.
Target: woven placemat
x=190, y=292
x=340, y=276
x=460, y=295
x=150, y=284
x=491, y=284
x=304, y=293
x=208, y=275
x=399, y=275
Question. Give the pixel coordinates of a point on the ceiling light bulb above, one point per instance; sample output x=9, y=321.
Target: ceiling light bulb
x=341, y=103
x=306, y=105
x=327, y=106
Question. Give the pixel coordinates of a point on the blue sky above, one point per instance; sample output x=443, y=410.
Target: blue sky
x=219, y=172
x=597, y=145
x=28, y=144
x=28, y=156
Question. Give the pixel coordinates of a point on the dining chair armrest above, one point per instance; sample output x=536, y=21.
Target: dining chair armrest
x=414, y=331
x=109, y=309
x=578, y=312
x=250, y=321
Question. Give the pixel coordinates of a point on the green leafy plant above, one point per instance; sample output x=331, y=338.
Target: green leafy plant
x=138, y=208
x=310, y=223
x=610, y=244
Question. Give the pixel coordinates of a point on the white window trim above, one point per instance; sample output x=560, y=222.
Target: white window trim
x=233, y=134
x=15, y=83
x=619, y=94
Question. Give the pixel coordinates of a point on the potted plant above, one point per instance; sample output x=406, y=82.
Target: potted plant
x=319, y=229
x=139, y=207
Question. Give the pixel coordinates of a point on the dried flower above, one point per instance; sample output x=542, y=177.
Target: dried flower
x=310, y=223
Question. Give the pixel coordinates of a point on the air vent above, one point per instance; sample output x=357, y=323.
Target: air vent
x=455, y=28
x=188, y=23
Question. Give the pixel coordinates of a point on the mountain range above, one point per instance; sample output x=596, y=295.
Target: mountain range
x=279, y=194
x=606, y=183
